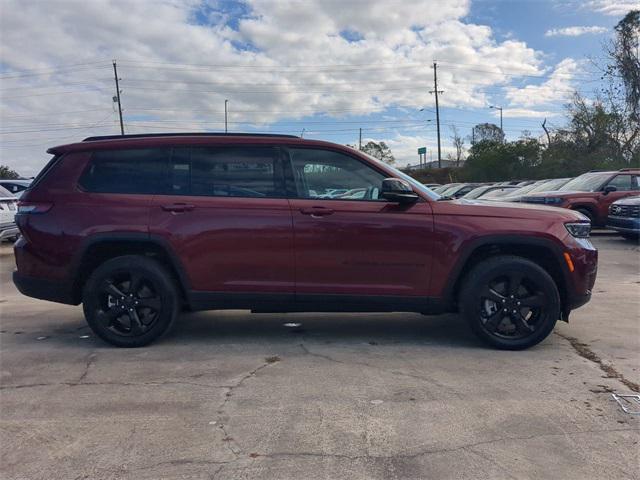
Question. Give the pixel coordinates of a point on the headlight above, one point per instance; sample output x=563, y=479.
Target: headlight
x=553, y=200
x=579, y=230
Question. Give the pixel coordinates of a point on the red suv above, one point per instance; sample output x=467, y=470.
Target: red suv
x=140, y=227
x=592, y=193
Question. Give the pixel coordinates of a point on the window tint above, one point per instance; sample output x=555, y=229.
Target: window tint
x=226, y=172
x=332, y=175
x=621, y=182
x=126, y=171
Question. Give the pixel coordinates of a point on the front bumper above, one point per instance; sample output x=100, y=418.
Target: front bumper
x=8, y=230
x=624, y=224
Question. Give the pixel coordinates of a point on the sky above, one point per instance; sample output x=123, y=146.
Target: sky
x=318, y=68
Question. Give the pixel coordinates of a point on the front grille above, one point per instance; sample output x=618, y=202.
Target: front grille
x=627, y=211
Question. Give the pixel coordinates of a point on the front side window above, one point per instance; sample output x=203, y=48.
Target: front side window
x=140, y=171
x=226, y=172
x=621, y=182
x=331, y=175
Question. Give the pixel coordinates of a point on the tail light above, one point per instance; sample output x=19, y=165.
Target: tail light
x=34, y=207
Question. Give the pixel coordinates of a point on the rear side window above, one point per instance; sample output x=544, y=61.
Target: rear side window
x=252, y=172
x=141, y=171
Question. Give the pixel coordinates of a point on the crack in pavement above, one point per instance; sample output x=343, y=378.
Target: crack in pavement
x=233, y=446
x=306, y=351
x=88, y=363
x=585, y=352
x=123, y=384
x=438, y=450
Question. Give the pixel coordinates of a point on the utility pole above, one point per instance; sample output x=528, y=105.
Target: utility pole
x=435, y=90
x=302, y=133
x=225, y=115
x=498, y=108
x=360, y=141
x=115, y=74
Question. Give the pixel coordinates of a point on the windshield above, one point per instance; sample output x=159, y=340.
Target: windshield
x=476, y=192
x=520, y=191
x=550, y=186
x=499, y=192
x=412, y=181
x=588, y=182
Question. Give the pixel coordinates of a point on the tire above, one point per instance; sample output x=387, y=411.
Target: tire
x=130, y=301
x=586, y=212
x=504, y=321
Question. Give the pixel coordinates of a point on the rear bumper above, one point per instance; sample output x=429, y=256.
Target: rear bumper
x=54, y=291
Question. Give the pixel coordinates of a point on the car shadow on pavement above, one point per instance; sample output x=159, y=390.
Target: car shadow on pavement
x=372, y=328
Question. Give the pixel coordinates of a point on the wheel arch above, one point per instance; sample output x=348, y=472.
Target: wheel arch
x=544, y=252
x=99, y=248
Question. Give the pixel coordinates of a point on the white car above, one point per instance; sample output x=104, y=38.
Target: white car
x=8, y=208
x=15, y=187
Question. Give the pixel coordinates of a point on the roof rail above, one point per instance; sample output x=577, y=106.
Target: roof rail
x=597, y=170
x=631, y=169
x=185, y=134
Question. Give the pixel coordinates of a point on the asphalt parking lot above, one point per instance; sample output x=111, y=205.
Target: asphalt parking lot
x=384, y=396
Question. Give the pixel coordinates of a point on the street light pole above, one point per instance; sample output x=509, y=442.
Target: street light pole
x=225, y=115
x=498, y=108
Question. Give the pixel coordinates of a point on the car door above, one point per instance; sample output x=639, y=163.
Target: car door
x=625, y=184
x=226, y=218
x=354, y=243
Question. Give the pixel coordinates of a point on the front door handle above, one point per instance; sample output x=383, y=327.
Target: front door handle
x=178, y=207
x=316, y=212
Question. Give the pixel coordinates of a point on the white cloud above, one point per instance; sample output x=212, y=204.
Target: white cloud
x=616, y=8
x=277, y=62
x=574, y=31
x=554, y=91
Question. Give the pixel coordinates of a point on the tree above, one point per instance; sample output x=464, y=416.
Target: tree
x=487, y=132
x=7, y=173
x=493, y=161
x=380, y=151
x=625, y=63
x=458, y=143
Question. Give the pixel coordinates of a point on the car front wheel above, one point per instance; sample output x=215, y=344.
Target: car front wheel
x=510, y=302
x=130, y=301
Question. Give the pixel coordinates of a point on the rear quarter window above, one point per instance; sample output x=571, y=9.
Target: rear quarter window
x=141, y=171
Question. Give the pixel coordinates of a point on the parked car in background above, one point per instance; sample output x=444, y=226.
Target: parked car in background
x=8, y=208
x=16, y=187
x=431, y=185
x=138, y=227
x=591, y=193
x=444, y=187
x=499, y=193
x=624, y=217
x=538, y=186
x=460, y=190
x=518, y=193
x=483, y=190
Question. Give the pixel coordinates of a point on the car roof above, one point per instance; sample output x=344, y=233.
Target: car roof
x=180, y=139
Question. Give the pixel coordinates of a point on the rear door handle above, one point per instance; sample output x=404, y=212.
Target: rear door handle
x=178, y=207
x=316, y=212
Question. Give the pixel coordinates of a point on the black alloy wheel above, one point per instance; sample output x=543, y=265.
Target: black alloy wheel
x=130, y=301
x=510, y=302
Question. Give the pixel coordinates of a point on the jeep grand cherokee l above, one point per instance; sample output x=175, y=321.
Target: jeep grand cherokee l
x=139, y=227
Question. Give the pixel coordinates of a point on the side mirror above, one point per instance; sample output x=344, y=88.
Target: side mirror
x=608, y=189
x=399, y=191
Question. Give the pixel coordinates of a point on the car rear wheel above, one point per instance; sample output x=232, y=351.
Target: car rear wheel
x=130, y=301
x=510, y=302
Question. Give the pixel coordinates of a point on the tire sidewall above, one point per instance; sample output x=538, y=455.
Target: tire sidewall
x=162, y=283
x=487, y=271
